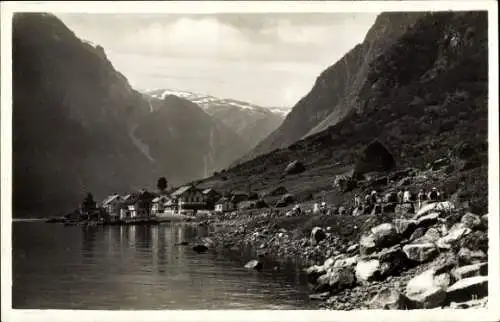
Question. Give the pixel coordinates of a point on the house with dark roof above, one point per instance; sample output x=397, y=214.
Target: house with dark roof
x=211, y=196
x=188, y=198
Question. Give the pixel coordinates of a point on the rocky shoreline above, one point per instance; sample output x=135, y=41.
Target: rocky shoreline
x=434, y=258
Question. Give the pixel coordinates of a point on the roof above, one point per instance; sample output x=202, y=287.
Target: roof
x=157, y=199
x=109, y=199
x=181, y=190
x=222, y=200
x=209, y=190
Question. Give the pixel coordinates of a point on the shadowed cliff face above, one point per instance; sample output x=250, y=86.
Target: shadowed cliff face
x=78, y=126
x=333, y=95
x=423, y=97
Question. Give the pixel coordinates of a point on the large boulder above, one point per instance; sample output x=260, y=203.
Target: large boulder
x=479, y=269
x=405, y=227
x=467, y=256
x=335, y=280
x=455, y=233
x=420, y=252
x=379, y=237
x=346, y=262
x=471, y=220
x=295, y=167
x=467, y=289
x=200, y=248
x=375, y=157
x=442, y=206
x=317, y=235
x=390, y=299
x=428, y=219
x=428, y=289
x=367, y=270
x=254, y=264
x=314, y=272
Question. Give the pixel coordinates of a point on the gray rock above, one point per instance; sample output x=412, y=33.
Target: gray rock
x=383, y=235
x=467, y=257
x=405, y=227
x=317, y=234
x=314, y=272
x=455, y=233
x=390, y=299
x=479, y=269
x=336, y=280
x=467, y=289
x=420, y=252
x=254, y=264
x=428, y=219
x=471, y=220
x=320, y=296
x=346, y=262
x=428, y=289
x=367, y=270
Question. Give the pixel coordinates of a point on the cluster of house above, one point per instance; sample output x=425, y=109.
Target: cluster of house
x=184, y=200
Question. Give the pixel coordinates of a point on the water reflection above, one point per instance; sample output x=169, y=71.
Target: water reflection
x=143, y=267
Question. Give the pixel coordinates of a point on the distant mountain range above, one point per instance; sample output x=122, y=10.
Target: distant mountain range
x=251, y=122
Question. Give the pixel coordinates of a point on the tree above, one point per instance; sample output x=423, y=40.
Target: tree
x=88, y=203
x=162, y=184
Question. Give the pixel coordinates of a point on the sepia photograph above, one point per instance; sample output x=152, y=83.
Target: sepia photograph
x=316, y=160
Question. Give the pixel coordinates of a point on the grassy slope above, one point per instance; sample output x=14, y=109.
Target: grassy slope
x=423, y=98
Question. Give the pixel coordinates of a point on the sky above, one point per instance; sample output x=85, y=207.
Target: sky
x=271, y=59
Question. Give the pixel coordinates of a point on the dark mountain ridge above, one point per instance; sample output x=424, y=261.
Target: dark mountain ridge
x=78, y=126
x=424, y=97
x=332, y=97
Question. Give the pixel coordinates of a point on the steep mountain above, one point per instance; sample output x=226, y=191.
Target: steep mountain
x=333, y=95
x=424, y=97
x=251, y=122
x=78, y=126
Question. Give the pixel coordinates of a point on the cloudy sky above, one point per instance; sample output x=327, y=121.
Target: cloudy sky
x=266, y=59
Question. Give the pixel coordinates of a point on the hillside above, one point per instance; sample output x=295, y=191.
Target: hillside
x=333, y=95
x=78, y=125
x=251, y=122
x=424, y=97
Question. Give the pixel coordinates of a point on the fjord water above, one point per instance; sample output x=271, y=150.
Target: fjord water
x=141, y=268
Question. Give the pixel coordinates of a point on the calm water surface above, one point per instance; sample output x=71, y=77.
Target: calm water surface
x=140, y=267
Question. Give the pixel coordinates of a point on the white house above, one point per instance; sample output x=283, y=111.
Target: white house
x=224, y=205
x=112, y=205
x=159, y=205
x=189, y=198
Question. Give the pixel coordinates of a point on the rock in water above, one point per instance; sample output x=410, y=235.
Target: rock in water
x=390, y=299
x=428, y=289
x=468, y=288
x=254, y=264
x=314, y=272
x=200, y=248
x=320, y=296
